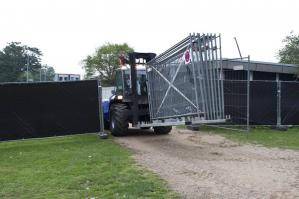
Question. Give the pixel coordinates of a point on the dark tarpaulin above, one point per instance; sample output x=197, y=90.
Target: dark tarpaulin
x=30, y=110
x=263, y=102
x=235, y=100
x=289, y=103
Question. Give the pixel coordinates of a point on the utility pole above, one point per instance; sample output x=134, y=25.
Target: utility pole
x=45, y=78
x=40, y=73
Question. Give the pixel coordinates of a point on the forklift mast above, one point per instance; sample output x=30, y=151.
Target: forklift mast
x=132, y=62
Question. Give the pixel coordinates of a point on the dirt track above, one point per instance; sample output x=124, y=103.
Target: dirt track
x=202, y=165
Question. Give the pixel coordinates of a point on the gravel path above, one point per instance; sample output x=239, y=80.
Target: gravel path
x=202, y=165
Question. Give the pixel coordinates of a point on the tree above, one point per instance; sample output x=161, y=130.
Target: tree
x=289, y=54
x=104, y=62
x=45, y=73
x=13, y=63
x=49, y=73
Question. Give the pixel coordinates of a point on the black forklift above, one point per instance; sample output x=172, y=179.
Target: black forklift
x=129, y=103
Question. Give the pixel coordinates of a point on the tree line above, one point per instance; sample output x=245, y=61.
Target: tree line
x=15, y=58
x=103, y=63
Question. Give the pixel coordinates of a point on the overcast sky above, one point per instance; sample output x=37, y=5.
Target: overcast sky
x=68, y=30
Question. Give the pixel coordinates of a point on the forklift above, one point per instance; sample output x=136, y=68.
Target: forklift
x=129, y=103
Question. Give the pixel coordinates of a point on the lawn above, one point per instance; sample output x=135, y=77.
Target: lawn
x=262, y=136
x=77, y=166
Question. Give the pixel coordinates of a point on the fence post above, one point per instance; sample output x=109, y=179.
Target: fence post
x=278, y=120
x=102, y=133
x=194, y=74
x=248, y=94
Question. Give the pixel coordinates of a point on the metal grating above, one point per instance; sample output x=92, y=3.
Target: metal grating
x=186, y=80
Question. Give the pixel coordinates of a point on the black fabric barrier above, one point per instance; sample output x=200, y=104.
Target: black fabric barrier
x=263, y=102
x=235, y=101
x=290, y=103
x=30, y=110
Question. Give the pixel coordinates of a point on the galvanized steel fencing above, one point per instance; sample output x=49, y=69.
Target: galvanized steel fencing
x=186, y=80
x=271, y=102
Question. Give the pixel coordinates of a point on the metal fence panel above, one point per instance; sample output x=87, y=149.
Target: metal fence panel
x=289, y=103
x=271, y=102
x=263, y=102
x=46, y=109
x=235, y=101
x=185, y=80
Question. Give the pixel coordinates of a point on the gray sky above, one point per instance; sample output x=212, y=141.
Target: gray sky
x=68, y=30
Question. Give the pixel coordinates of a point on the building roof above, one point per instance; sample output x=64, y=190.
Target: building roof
x=261, y=66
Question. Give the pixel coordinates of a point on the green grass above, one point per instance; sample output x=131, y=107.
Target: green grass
x=79, y=166
x=262, y=136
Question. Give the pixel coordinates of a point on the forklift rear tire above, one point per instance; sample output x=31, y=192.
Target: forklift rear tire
x=162, y=130
x=119, y=120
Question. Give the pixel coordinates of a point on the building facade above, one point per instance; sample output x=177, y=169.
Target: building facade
x=270, y=97
x=237, y=70
x=66, y=77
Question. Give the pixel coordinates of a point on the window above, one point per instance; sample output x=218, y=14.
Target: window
x=119, y=82
x=141, y=83
x=123, y=82
x=127, y=81
x=60, y=79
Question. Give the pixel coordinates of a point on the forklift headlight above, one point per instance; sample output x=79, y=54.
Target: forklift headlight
x=119, y=97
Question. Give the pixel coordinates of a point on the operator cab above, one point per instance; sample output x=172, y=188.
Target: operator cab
x=131, y=78
x=123, y=80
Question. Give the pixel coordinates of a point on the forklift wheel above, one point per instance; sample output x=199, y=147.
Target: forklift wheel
x=162, y=129
x=119, y=120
